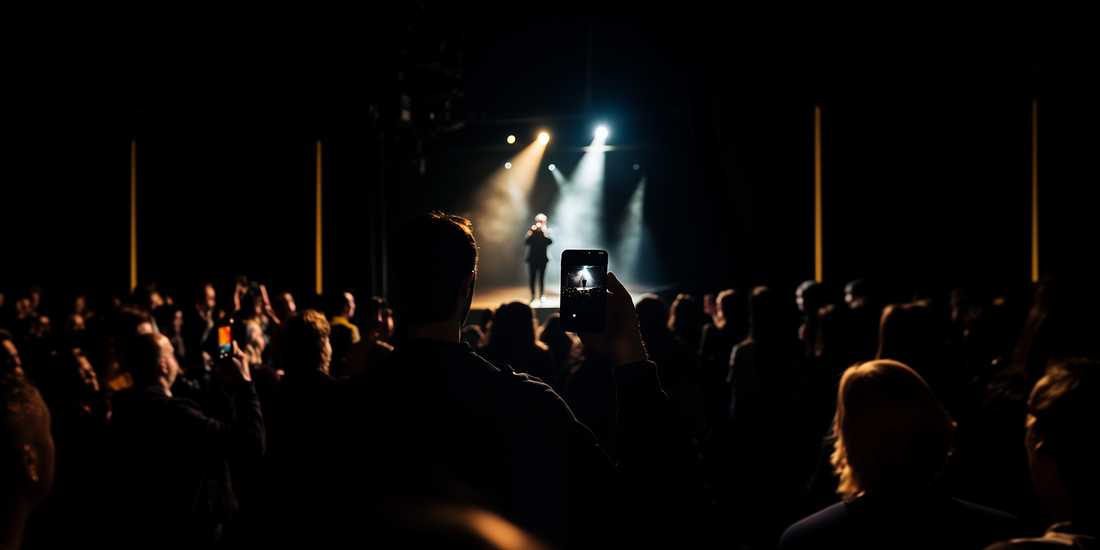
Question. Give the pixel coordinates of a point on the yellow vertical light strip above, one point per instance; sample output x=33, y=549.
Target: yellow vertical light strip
x=133, y=214
x=817, y=194
x=318, y=217
x=1034, y=190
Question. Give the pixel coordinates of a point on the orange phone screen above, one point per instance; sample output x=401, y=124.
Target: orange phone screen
x=224, y=335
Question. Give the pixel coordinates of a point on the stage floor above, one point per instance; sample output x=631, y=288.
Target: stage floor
x=492, y=298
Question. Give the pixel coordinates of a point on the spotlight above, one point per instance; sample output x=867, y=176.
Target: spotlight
x=544, y=138
x=601, y=133
x=511, y=139
x=636, y=167
x=552, y=167
x=507, y=166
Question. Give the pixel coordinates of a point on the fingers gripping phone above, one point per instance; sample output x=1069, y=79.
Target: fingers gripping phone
x=583, y=290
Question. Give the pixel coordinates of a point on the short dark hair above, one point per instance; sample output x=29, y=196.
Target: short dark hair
x=432, y=253
x=1066, y=405
x=142, y=359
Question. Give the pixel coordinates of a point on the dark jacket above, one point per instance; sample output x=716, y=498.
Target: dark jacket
x=434, y=416
x=169, y=470
x=918, y=518
x=538, y=241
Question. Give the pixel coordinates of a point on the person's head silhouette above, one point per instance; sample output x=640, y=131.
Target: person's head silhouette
x=436, y=262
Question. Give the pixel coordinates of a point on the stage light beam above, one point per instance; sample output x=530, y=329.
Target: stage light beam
x=499, y=209
x=511, y=140
x=552, y=167
x=601, y=133
x=544, y=138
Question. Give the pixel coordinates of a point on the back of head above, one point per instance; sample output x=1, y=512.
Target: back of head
x=834, y=328
x=909, y=332
x=433, y=252
x=891, y=432
x=766, y=315
x=142, y=359
x=513, y=327
x=652, y=313
x=303, y=341
x=811, y=295
x=1066, y=405
x=686, y=312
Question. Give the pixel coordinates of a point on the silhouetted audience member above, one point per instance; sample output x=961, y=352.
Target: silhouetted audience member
x=377, y=321
x=171, y=476
x=686, y=318
x=302, y=434
x=675, y=363
x=1063, y=450
x=199, y=319
x=863, y=298
x=433, y=405
x=27, y=449
x=992, y=469
x=561, y=346
x=810, y=297
x=912, y=334
x=768, y=386
x=589, y=389
x=511, y=340
x=892, y=439
x=170, y=321
x=729, y=325
x=78, y=412
x=344, y=332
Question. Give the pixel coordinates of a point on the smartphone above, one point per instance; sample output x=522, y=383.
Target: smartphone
x=225, y=338
x=583, y=290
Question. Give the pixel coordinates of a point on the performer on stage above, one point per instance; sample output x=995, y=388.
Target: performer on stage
x=538, y=239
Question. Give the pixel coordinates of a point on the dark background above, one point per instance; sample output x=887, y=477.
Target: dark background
x=926, y=137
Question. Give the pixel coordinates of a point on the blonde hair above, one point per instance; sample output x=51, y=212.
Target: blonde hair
x=890, y=431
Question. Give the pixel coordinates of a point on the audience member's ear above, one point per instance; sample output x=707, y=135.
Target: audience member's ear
x=468, y=284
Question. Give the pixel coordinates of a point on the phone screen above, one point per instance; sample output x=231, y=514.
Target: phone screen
x=225, y=341
x=583, y=290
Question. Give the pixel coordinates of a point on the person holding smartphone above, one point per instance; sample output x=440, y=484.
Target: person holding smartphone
x=434, y=415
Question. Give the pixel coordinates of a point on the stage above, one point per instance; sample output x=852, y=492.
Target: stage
x=492, y=298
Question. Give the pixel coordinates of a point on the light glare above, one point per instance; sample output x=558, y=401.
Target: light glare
x=544, y=138
x=507, y=166
x=552, y=167
x=511, y=139
x=601, y=133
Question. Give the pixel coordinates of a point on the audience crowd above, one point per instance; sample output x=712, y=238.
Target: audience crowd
x=752, y=418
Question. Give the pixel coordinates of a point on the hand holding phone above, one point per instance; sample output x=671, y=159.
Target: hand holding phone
x=621, y=341
x=232, y=368
x=583, y=290
x=225, y=338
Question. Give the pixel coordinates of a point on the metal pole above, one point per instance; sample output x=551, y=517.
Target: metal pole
x=817, y=194
x=319, y=288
